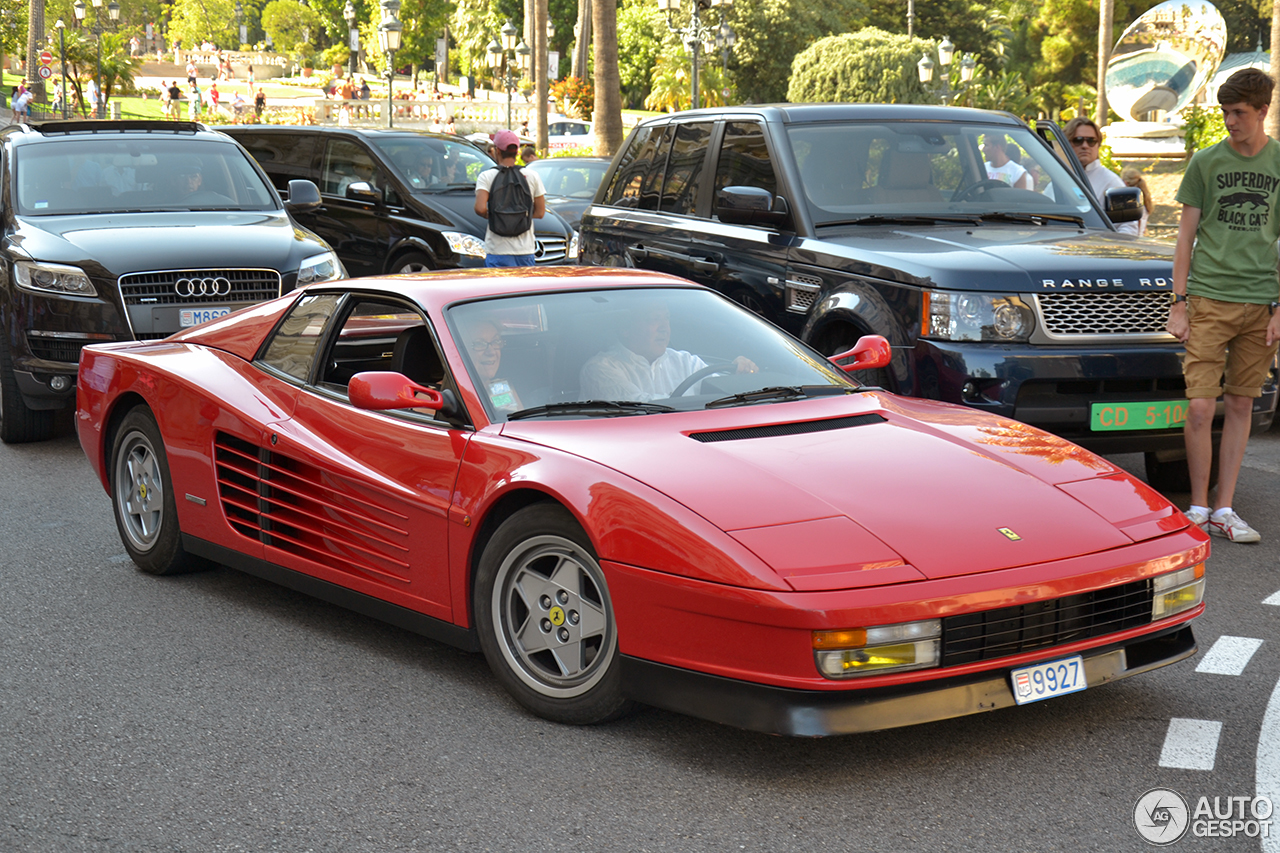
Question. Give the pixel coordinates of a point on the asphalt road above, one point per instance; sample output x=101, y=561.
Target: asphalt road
x=218, y=712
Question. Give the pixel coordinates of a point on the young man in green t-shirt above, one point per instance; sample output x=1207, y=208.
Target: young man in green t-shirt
x=1226, y=290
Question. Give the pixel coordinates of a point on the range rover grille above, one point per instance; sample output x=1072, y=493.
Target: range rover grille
x=159, y=288
x=971, y=637
x=1127, y=312
x=550, y=250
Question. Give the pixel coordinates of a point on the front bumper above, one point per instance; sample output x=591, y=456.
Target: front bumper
x=1054, y=388
x=811, y=713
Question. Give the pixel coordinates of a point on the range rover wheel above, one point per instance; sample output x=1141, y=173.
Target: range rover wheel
x=412, y=263
x=545, y=620
x=18, y=423
x=142, y=498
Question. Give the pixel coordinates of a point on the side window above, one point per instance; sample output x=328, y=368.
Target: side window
x=283, y=156
x=346, y=163
x=744, y=158
x=383, y=335
x=292, y=350
x=624, y=190
x=651, y=189
x=684, y=168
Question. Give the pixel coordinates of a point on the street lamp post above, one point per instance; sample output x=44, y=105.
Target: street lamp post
x=244, y=31
x=695, y=33
x=389, y=32
x=62, y=58
x=726, y=38
x=946, y=52
x=500, y=61
x=353, y=35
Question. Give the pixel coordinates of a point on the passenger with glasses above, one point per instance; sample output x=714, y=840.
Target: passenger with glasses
x=484, y=341
x=1086, y=139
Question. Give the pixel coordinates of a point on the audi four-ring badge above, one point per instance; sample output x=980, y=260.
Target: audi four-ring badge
x=132, y=230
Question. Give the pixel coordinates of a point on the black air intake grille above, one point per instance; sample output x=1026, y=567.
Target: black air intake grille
x=774, y=430
x=972, y=637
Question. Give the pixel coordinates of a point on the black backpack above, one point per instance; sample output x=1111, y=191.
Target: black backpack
x=510, y=203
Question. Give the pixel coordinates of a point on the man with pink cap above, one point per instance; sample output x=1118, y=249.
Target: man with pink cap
x=515, y=251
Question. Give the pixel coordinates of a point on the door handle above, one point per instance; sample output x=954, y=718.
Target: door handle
x=708, y=265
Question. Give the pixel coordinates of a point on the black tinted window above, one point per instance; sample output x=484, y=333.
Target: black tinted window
x=633, y=168
x=284, y=157
x=744, y=158
x=684, y=168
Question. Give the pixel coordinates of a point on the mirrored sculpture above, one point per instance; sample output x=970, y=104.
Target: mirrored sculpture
x=1165, y=58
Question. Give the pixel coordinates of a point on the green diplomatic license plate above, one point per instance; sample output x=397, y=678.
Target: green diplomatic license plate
x=1162, y=414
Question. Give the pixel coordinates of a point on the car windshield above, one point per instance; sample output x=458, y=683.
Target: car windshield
x=865, y=172
x=605, y=353
x=427, y=164
x=570, y=178
x=108, y=174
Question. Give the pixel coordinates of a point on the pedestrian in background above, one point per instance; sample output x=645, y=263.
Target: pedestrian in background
x=508, y=250
x=259, y=102
x=1133, y=178
x=1086, y=142
x=1226, y=291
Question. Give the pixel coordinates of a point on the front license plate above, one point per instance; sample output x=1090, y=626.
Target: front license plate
x=1046, y=680
x=196, y=316
x=1120, y=416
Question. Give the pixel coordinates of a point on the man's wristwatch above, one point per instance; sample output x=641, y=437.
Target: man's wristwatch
x=1175, y=298
x=1273, y=306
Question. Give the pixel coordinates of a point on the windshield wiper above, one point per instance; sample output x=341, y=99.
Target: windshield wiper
x=1036, y=218
x=905, y=219
x=781, y=392
x=592, y=408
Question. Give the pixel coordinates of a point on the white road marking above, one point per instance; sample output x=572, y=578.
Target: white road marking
x=1190, y=744
x=1274, y=598
x=1267, y=767
x=1229, y=655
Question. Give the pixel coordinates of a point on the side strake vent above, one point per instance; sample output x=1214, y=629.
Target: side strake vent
x=774, y=430
x=314, y=514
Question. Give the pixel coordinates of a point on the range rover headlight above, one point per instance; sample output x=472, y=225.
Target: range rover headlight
x=465, y=244
x=52, y=278
x=879, y=650
x=1177, y=591
x=325, y=267
x=991, y=317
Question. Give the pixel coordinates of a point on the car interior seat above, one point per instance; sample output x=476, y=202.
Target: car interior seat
x=415, y=356
x=906, y=176
x=573, y=183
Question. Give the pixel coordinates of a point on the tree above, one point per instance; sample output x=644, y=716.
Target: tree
x=673, y=85
x=770, y=35
x=13, y=35
x=289, y=23
x=869, y=66
x=196, y=21
x=606, y=127
x=974, y=27
x=641, y=31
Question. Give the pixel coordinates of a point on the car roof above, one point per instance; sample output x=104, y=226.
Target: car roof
x=371, y=133
x=436, y=290
x=802, y=113
x=43, y=131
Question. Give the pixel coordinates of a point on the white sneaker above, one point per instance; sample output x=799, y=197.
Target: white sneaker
x=1197, y=516
x=1233, y=527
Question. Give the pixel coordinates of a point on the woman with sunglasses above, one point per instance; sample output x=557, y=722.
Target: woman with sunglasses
x=1086, y=141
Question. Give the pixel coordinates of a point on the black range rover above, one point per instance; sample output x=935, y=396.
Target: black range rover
x=394, y=201
x=1003, y=287
x=130, y=230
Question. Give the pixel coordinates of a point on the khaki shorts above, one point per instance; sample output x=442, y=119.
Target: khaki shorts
x=1230, y=337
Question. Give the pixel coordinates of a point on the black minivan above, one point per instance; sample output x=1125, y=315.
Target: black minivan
x=969, y=240
x=393, y=201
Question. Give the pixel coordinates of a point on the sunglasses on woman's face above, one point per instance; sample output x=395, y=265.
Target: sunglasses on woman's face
x=1084, y=140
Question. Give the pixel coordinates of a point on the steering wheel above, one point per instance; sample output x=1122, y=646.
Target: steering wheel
x=698, y=375
x=975, y=189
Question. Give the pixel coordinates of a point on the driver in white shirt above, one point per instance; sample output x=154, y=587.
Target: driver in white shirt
x=641, y=366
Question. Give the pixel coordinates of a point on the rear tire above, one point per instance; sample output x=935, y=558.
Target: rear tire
x=18, y=423
x=142, y=497
x=1170, y=475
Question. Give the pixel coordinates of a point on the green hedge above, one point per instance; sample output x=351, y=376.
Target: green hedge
x=869, y=66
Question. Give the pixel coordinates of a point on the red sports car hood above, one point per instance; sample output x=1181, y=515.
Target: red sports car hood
x=875, y=478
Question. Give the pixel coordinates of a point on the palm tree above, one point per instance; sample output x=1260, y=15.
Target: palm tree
x=1273, y=116
x=607, y=115
x=35, y=42
x=540, y=69
x=1106, y=16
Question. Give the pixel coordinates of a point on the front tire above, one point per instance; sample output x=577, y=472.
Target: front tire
x=545, y=619
x=18, y=423
x=142, y=497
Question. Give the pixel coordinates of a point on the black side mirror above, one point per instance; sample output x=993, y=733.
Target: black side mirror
x=363, y=191
x=303, y=196
x=752, y=206
x=1123, y=204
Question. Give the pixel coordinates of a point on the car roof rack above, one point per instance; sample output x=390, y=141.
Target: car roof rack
x=123, y=126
